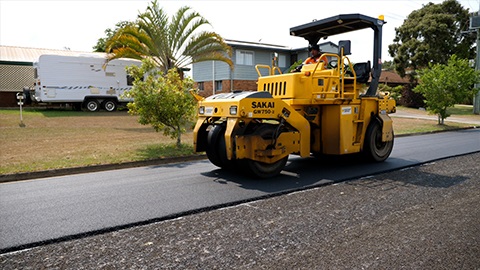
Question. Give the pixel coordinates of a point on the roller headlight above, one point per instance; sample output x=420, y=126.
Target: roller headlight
x=233, y=110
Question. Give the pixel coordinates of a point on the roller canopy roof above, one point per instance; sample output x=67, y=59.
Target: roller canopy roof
x=335, y=25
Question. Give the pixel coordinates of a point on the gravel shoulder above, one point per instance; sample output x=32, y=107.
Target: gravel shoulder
x=424, y=217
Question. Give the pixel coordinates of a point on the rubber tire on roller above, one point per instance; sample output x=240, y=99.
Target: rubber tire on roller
x=374, y=148
x=261, y=169
x=216, y=147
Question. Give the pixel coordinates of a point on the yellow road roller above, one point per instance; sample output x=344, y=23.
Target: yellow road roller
x=323, y=109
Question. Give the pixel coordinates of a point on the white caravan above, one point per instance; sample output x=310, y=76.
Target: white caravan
x=83, y=81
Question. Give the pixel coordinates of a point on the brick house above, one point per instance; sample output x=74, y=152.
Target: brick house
x=213, y=77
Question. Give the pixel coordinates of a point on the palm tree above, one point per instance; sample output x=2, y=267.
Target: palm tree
x=171, y=44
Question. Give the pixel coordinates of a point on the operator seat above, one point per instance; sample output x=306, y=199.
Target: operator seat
x=362, y=70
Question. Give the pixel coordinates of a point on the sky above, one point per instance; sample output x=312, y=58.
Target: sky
x=77, y=25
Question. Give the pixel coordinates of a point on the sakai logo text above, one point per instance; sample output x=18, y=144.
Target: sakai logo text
x=263, y=105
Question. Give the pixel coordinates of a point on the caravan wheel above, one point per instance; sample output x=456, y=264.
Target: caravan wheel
x=110, y=105
x=92, y=105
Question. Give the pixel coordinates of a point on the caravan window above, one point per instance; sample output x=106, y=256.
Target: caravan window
x=130, y=80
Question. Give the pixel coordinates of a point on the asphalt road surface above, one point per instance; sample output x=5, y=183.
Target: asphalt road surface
x=421, y=217
x=33, y=212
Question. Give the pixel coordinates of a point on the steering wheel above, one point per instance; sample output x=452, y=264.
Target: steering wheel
x=332, y=64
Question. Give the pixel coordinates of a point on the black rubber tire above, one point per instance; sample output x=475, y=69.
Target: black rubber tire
x=216, y=147
x=92, y=105
x=374, y=148
x=109, y=105
x=261, y=169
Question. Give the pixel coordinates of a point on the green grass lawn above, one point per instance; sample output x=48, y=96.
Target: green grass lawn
x=54, y=139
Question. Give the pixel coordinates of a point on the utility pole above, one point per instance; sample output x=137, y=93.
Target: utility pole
x=476, y=98
x=475, y=26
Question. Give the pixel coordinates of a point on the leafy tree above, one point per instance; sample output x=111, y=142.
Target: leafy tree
x=161, y=100
x=388, y=65
x=167, y=46
x=294, y=65
x=395, y=91
x=409, y=98
x=445, y=85
x=174, y=43
x=431, y=35
x=101, y=45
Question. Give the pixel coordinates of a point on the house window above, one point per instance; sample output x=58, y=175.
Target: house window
x=282, y=60
x=200, y=86
x=244, y=58
x=218, y=85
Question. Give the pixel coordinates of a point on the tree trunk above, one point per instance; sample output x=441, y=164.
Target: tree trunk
x=441, y=119
x=179, y=137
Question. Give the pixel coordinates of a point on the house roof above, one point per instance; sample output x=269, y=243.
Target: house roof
x=256, y=45
x=26, y=55
x=322, y=45
x=389, y=76
x=30, y=55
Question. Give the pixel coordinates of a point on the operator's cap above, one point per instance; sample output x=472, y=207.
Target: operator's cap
x=313, y=47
